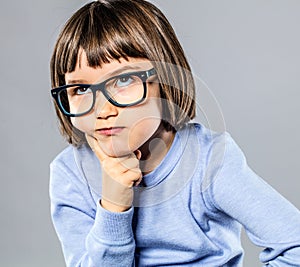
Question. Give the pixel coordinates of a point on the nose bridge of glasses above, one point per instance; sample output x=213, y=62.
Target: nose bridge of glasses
x=100, y=95
x=101, y=102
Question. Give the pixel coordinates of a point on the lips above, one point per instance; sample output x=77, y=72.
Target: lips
x=110, y=131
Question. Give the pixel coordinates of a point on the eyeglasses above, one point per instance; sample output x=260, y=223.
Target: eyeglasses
x=124, y=90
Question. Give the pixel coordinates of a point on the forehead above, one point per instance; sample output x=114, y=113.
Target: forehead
x=84, y=73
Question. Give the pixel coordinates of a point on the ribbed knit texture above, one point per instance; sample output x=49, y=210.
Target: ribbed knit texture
x=188, y=212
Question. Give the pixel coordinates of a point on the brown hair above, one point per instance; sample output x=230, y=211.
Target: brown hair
x=114, y=29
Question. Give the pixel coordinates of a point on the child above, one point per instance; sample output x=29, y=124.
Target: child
x=140, y=185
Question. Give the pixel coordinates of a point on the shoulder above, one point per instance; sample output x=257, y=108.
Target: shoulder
x=68, y=186
x=67, y=157
x=63, y=162
x=64, y=156
x=211, y=143
x=63, y=166
x=66, y=165
x=76, y=166
x=219, y=155
x=210, y=138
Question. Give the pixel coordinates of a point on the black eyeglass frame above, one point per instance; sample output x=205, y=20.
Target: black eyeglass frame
x=143, y=75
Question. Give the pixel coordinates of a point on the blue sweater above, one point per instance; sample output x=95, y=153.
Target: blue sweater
x=188, y=212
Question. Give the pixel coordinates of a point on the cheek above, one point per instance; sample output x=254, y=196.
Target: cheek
x=142, y=132
x=141, y=123
x=84, y=124
x=144, y=122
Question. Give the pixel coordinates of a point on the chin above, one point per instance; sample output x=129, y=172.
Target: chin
x=118, y=147
x=117, y=151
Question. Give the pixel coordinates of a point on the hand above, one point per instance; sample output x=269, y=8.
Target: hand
x=119, y=175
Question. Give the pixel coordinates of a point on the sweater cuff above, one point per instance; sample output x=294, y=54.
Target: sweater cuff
x=113, y=227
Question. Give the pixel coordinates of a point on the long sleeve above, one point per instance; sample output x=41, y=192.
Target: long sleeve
x=90, y=235
x=183, y=229
x=269, y=219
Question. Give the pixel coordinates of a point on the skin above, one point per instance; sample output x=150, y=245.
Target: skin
x=137, y=143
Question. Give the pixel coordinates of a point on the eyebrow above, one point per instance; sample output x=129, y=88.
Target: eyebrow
x=122, y=69
x=109, y=75
x=76, y=82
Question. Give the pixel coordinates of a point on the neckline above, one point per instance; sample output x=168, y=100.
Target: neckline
x=169, y=161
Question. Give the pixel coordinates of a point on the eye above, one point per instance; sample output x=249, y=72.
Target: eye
x=81, y=90
x=124, y=81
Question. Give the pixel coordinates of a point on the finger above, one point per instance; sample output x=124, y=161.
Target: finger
x=115, y=167
x=130, y=163
x=131, y=177
x=137, y=182
x=94, y=145
x=138, y=154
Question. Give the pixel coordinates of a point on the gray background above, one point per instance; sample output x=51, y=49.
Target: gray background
x=247, y=52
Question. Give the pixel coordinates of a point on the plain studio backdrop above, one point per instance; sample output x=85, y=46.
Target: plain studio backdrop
x=247, y=54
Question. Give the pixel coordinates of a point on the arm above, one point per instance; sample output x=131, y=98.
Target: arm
x=89, y=234
x=269, y=219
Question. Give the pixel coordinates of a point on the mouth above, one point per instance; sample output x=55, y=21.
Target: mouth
x=110, y=131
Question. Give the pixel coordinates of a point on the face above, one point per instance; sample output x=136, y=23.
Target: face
x=119, y=130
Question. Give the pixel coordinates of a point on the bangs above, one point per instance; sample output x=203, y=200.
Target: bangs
x=103, y=34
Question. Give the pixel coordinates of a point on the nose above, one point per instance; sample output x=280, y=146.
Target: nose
x=103, y=108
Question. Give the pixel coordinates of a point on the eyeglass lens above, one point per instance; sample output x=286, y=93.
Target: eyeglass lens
x=123, y=90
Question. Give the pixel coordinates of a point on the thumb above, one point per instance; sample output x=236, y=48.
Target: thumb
x=94, y=145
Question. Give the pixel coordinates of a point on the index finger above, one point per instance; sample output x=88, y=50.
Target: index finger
x=94, y=145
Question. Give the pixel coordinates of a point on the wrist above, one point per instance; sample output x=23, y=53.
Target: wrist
x=106, y=204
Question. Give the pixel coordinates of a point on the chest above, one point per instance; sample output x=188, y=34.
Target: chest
x=171, y=232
